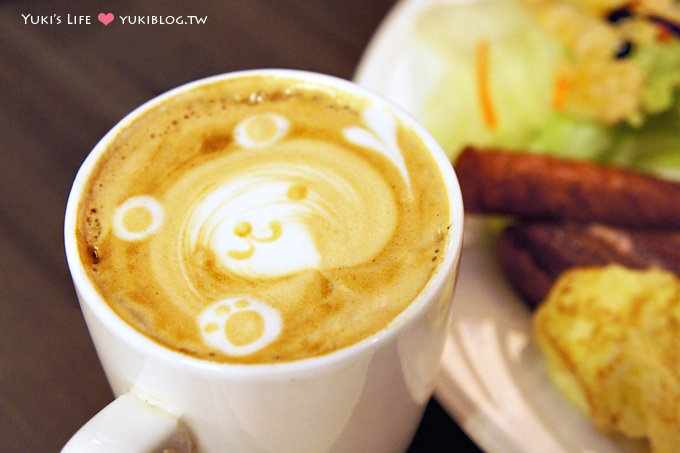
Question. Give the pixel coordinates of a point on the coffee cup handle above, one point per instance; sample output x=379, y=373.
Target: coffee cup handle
x=129, y=424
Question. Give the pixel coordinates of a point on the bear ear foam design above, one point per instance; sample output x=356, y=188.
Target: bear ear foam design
x=262, y=130
x=137, y=217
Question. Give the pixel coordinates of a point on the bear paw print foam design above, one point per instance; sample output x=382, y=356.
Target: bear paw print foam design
x=239, y=325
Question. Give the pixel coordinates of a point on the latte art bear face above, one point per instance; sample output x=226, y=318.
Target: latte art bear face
x=288, y=212
x=267, y=230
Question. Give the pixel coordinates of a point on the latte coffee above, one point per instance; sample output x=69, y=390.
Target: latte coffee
x=261, y=219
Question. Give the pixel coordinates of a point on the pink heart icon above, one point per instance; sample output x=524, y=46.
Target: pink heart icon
x=105, y=19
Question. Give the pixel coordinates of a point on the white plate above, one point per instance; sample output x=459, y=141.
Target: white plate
x=493, y=380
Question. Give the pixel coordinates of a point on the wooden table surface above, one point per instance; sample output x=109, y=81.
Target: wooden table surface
x=62, y=86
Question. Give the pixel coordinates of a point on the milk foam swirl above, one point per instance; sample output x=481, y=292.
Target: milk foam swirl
x=382, y=137
x=273, y=217
x=273, y=205
x=276, y=205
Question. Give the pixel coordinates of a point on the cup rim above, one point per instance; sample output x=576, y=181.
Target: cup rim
x=91, y=297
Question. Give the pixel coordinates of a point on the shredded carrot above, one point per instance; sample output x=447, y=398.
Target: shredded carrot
x=561, y=92
x=482, y=68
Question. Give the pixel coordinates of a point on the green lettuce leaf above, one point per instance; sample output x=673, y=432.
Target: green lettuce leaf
x=522, y=62
x=521, y=73
x=660, y=63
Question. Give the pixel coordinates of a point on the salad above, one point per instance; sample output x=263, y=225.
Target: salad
x=585, y=79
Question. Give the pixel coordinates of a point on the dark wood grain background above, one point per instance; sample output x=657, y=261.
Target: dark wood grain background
x=62, y=86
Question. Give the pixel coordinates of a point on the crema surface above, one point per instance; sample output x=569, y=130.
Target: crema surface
x=259, y=220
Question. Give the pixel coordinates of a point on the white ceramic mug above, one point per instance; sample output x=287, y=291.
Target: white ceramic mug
x=366, y=397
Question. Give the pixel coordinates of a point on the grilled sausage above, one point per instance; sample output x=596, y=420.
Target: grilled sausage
x=533, y=255
x=543, y=187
